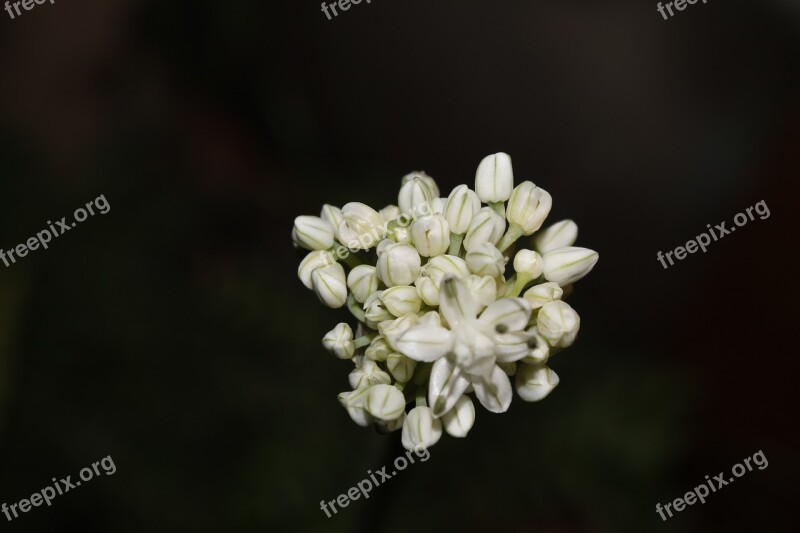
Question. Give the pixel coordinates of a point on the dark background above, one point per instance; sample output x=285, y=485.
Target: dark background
x=173, y=334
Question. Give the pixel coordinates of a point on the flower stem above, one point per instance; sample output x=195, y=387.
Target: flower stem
x=455, y=244
x=499, y=208
x=514, y=232
x=355, y=308
x=363, y=341
x=352, y=260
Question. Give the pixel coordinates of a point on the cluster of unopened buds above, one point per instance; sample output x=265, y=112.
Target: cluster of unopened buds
x=437, y=319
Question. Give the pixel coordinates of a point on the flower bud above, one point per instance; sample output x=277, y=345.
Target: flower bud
x=446, y=265
x=401, y=367
x=528, y=206
x=415, y=198
x=385, y=402
x=461, y=206
x=438, y=205
x=400, y=233
x=486, y=260
x=431, y=318
x=313, y=233
x=486, y=226
x=558, y=323
x=421, y=429
x=332, y=215
x=369, y=373
x=339, y=341
x=459, y=420
x=362, y=281
x=430, y=235
x=379, y=349
x=494, y=178
x=353, y=401
x=330, y=285
x=374, y=310
x=567, y=265
x=538, y=295
x=310, y=263
x=427, y=290
x=483, y=289
x=361, y=227
x=384, y=428
x=393, y=328
x=529, y=263
x=539, y=349
x=429, y=182
x=534, y=382
x=399, y=264
x=559, y=235
x=401, y=300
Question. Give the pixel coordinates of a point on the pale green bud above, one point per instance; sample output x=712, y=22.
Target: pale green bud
x=392, y=329
x=558, y=323
x=353, y=401
x=429, y=182
x=401, y=367
x=415, y=198
x=401, y=300
x=567, y=265
x=331, y=214
x=430, y=235
x=330, y=285
x=339, y=341
x=529, y=262
x=379, y=349
x=310, y=263
x=398, y=264
x=486, y=226
x=535, y=382
x=313, y=233
x=483, y=289
x=385, y=402
x=361, y=227
x=461, y=206
x=559, y=235
x=494, y=178
x=538, y=295
x=389, y=213
x=374, y=310
x=528, y=206
x=486, y=260
x=459, y=420
x=367, y=374
x=427, y=290
x=362, y=281
x=446, y=265
x=539, y=349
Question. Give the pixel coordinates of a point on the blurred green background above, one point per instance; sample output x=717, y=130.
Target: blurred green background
x=173, y=334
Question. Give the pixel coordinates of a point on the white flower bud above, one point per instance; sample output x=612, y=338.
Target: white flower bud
x=429, y=182
x=421, y=429
x=528, y=206
x=558, y=323
x=538, y=295
x=529, y=262
x=459, y=420
x=539, y=349
x=401, y=300
x=415, y=198
x=374, y=310
x=362, y=281
x=427, y=290
x=438, y=205
x=461, y=206
x=361, y=227
x=379, y=349
x=330, y=285
x=559, y=235
x=339, y=341
x=400, y=233
x=310, y=263
x=494, y=178
x=483, y=289
x=431, y=318
x=431, y=235
x=389, y=213
x=390, y=426
x=486, y=260
x=353, y=401
x=313, y=233
x=385, y=402
x=369, y=373
x=331, y=214
x=392, y=329
x=486, y=226
x=446, y=265
x=399, y=264
x=401, y=367
x=567, y=265
x=535, y=382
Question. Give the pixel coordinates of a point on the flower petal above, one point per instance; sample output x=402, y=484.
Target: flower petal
x=456, y=303
x=446, y=386
x=494, y=393
x=424, y=343
x=510, y=347
x=510, y=314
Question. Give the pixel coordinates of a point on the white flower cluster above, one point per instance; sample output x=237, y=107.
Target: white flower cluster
x=437, y=318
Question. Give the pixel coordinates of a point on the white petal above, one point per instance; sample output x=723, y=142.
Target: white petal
x=510, y=347
x=421, y=429
x=459, y=420
x=385, y=402
x=494, y=393
x=446, y=385
x=509, y=314
x=456, y=303
x=424, y=343
x=535, y=382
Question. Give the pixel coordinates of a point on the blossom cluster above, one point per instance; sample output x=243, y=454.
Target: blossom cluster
x=437, y=317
